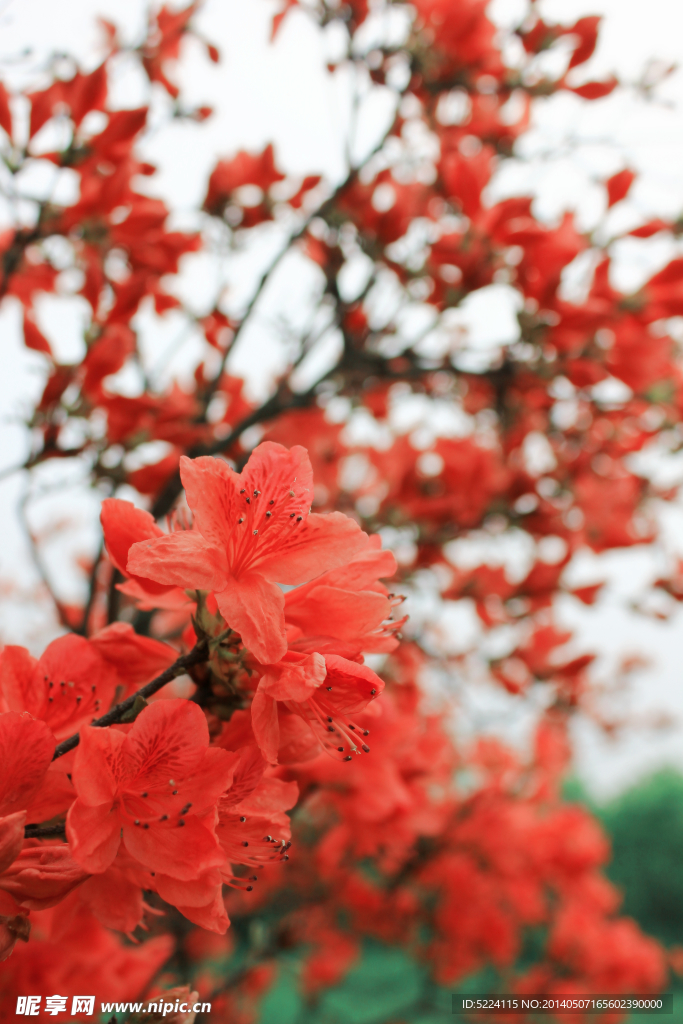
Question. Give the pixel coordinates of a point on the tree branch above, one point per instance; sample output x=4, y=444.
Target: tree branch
x=199, y=653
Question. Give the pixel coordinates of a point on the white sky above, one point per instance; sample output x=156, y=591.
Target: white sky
x=283, y=94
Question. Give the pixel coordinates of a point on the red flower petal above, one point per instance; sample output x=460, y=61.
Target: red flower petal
x=255, y=609
x=26, y=748
x=179, y=560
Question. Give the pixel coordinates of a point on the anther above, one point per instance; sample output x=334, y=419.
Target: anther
x=253, y=878
x=50, y=685
x=164, y=817
x=256, y=494
x=171, y=782
x=373, y=692
x=366, y=748
x=299, y=518
x=286, y=857
x=50, y=699
x=268, y=515
x=174, y=793
x=143, y=794
x=255, y=532
x=329, y=688
x=248, y=500
x=271, y=502
x=186, y=808
x=243, y=490
x=340, y=749
x=292, y=514
x=348, y=757
x=329, y=719
x=180, y=823
x=79, y=699
x=136, y=822
x=267, y=839
x=146, y=825
x=245, y=843
x=330, y=728
x=243, y=820
x=291, y=494
x=249, y=888
x=240, y=520
x=366, y=732
x=93, y=687
x=351, y=726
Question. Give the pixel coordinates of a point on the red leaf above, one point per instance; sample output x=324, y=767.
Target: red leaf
x=279, y=18
x=618, y=186
x=651, y=228
x=5, y=112
x=43, y=104
x=595, y=90
x=587, y=31
x=86, y=92
x=34, y=338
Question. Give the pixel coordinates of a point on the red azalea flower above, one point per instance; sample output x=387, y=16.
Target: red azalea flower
x=325, y=692
x=154, y=788
x=254, y=530
x=69, y=685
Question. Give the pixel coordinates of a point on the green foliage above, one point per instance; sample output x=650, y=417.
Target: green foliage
x=645, y=825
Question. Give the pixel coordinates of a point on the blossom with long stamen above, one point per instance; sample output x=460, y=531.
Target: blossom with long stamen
x=325, y=691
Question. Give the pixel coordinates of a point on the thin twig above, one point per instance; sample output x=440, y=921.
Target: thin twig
x=199, y=653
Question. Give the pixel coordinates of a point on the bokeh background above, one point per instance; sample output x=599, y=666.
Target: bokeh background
x=282, y=93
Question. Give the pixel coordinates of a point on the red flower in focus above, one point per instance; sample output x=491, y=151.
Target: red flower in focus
x=154, y=789
x=124, y=525
x=325, y=692
x=345, y=611
x=69, y=685
x=253, y=530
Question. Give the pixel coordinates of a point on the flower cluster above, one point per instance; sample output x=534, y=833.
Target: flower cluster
x=228, y=726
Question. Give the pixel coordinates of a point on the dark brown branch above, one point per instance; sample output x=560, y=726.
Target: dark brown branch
x=44, y=831
x=199, y=653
